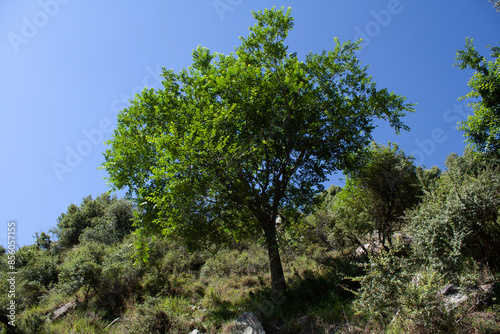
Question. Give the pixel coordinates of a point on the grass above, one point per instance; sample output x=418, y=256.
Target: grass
x=180, y=292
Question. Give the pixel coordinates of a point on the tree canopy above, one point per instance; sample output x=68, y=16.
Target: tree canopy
x=104, y=219
x=375, y=198
x=482, y=129
x=234, y=141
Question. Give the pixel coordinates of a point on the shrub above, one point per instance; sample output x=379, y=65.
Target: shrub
x=386, y=278
x=232, y=262
x=398, y=296
x=32, y=321
x=422, y=308
x=459, y=218
x=83, y=268
x=158, y=316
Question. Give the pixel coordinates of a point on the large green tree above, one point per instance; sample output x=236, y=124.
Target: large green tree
x=234, y=141
x=482, y=129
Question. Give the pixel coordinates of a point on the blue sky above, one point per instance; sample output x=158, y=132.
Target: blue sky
x=68, y=67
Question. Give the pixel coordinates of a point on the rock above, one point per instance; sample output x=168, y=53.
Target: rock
x=195, y=331
x=374, y=247
x=247, y=323
x=452, y=296
x=371, y=247
x=487, y=288
x=448, y=290
x=62, y=310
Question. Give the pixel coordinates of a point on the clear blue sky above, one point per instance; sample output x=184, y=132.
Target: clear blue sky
x=69, y=65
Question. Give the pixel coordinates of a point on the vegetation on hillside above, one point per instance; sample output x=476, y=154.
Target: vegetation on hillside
x=398, y=249
x=235, y=141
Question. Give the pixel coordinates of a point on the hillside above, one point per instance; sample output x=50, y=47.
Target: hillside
x=89, y=268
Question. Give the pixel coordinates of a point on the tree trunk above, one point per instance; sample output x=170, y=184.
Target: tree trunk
x=277, y=276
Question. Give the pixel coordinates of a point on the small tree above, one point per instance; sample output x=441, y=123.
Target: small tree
x=377, y=193
x=234, y=141
x=42, y=241
x=105, y=219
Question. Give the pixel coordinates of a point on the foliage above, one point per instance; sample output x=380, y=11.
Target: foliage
x=374, y=200
x=236, y=140
x=32, y=321
x=389, y=186
x=428, y=177
x=119, y=278
x=232, y=263
x=42, y=241
x=386, y=277
x=83, y=268
x=105, y=219
x=496, y=4
x=482, y=129
x=115, y=224
x=397, y=296
x=157, y=316
x=459, y=218
x=422, y=308
x=42, y=267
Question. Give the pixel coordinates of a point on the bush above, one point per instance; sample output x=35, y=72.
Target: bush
x=422, y=308
x=387, y=277
x=112, y=227
x=105, y=220
x=32, y=321
x=232, y=262
x=42, y=267
x=397, y=296
x=459, y=218
x=158, y=316
x=83, y=268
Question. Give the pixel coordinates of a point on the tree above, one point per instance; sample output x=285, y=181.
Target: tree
x=42, y=241
x=482, y=129
x=235, y=140
x=377, y=193
x=112, y=226
x=104, y=219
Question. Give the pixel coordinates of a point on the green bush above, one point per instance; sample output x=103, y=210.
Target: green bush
x=104, y=219
x=386, y=278
x=158, y=316
x=422, y=308
x=398, y=296
x=83, y=268
x=459, y=218
x=112, y=227
x=32, y=321
x=233, y=262
x=42, y=267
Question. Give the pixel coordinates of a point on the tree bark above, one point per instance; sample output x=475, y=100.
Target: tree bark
x=278, y=281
